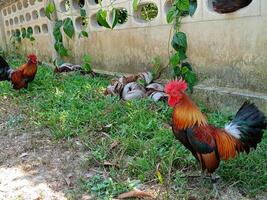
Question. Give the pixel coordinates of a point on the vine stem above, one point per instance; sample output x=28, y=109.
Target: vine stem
x=167, y=65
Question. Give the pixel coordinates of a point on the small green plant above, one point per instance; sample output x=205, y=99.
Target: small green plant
x=86, y=65
x=107, y=188
x=157, y=67
x=2, y=52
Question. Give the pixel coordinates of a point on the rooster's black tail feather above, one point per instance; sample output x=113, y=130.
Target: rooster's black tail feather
x=4, y=69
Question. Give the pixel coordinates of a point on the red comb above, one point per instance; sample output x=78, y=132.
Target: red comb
x=32, y=56
x=175, y=85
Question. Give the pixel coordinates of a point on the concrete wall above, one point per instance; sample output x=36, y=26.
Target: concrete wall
x=227, y=50
x=27, y=14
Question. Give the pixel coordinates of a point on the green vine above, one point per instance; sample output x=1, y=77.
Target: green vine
x=181, y=68
x=178, y=10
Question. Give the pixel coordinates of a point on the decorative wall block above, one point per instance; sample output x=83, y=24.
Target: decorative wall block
x=198, y=15
x=37, y=29
x=27, y=15
x=62, y=8
x=137, y=20
x=124, y=7
x=253, y=9
x=93, y=4
x=93, y=24
x=76, y=6
x=45, y=28
x=4, y=12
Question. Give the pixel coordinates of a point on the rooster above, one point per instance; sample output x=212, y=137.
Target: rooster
x=209, y=144
x=19, y=77
x=228, y=6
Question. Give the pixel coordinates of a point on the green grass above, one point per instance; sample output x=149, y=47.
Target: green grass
x=74, y=106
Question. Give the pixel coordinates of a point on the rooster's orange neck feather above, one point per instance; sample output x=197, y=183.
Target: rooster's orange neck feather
x=186, y=114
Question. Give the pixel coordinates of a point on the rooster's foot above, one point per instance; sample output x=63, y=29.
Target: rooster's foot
x=215, y=191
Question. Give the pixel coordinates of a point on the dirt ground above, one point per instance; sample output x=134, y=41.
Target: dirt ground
x=32, y=166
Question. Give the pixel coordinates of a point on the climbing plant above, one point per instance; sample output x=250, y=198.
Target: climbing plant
x=181, y=68
x=179, y=9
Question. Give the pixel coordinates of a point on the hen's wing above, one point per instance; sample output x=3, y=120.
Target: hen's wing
x=17, y=80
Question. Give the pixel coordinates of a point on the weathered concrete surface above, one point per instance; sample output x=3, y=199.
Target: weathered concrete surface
x=230, y=53
x=227, y=100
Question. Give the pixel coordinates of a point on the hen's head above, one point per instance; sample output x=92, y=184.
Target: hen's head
x=32, y=58
x=175, y=90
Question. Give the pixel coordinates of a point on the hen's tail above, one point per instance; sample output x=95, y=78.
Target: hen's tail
x=247, y=126
x=4, y=70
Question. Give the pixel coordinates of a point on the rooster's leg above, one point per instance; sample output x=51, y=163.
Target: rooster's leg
x=214, y=180
x=207, y=175
x=215, y=177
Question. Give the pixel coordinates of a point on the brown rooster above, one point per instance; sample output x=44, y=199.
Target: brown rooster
x=228, y=6
x=19, y=77
x=209, y=144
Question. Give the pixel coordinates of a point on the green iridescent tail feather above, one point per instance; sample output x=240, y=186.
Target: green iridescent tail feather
x=4, y=70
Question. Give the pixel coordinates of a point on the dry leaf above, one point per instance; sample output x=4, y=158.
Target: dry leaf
x=136, y=194
x=156, y=87
x=156, y=96
x=114, y=144
x=86, y=197
x=109, y=164
x=133, y=90
x=68, y=179
x=23, y=155
x=134, y=94
x=67, y=67
x=107, y=126
x=147, y=77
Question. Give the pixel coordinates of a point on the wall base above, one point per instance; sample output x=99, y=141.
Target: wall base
x=227, y=100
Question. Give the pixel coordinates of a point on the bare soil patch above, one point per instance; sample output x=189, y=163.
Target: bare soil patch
x=32, y=165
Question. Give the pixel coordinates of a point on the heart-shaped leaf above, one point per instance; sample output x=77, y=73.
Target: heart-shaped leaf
x=183, y=5
x=68, y=27
x=115, y=17
x=175, y=59
x=49, y=9
x=172, y=13
x=179, y=40
x=192, y=7
x=83, y=34
x=135, y=4
x=101, y=17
